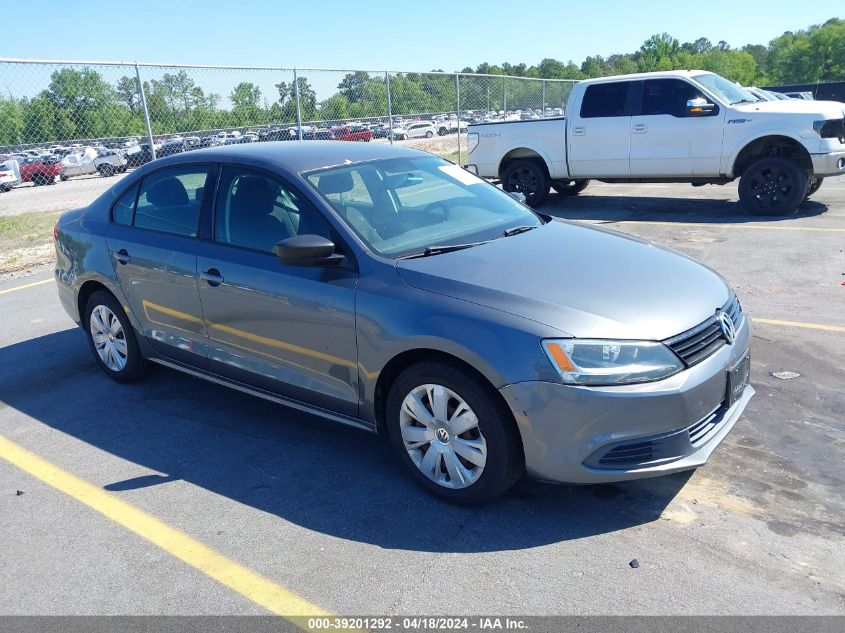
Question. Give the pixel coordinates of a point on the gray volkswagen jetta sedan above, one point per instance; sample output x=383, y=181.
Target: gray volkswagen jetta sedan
x=390, y=290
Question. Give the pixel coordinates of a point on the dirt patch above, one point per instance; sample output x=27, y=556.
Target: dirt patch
x=26, y=241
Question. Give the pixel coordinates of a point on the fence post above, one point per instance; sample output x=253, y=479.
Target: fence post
x=389, y=107
x=298, y=111
x=458, y=111
x=146, y=113
x=544, y=98
x=504, y=97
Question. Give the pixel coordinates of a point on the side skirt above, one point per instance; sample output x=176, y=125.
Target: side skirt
x=272, y=397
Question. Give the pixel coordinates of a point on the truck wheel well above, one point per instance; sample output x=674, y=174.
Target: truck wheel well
x=401, y=362
x=522, y=153
x=781, y=146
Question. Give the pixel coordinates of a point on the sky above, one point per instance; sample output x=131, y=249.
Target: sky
x=381, y=34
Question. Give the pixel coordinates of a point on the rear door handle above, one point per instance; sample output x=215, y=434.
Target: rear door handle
x=640, y=128
x=122, y=256
x=579, y=131
x=213, y=277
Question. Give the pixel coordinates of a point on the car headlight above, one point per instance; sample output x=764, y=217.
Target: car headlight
x=598, y=362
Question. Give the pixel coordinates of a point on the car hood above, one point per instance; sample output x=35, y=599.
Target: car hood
x=823, y=109
x=582, y=281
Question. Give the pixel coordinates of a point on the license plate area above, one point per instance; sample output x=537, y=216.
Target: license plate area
x=738, y=379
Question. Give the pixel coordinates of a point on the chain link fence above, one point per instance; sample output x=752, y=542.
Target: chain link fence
x=53, y=110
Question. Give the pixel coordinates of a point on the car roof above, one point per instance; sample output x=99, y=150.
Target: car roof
x=657, y=74
x=294, y=156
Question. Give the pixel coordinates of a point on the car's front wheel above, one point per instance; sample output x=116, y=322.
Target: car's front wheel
x=112, y=338
x=814, y=186
x=569, y=187
x=453, y=434
x=106, y=170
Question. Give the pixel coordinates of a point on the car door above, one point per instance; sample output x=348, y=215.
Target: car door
x=600, y=133
x=285, y=329
x=667, y=140
x=152, y=241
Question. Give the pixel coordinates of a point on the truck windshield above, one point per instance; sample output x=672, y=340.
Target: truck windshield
x=411, y=206
x=725, y=89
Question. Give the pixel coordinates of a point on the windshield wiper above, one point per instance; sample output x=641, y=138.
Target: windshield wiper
x=442, y=248
x=517, y=230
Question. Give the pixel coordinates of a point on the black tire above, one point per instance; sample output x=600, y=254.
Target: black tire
x=429, y=134
x=136, y=367
x=773, y=186
x=505, y=461
x=442, y=132
x=814, y=185
x=569, y=187
x=63, y=178
x=106, y=170
x=39, y=179
x=528, y=177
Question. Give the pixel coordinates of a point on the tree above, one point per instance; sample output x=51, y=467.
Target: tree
x=246, y=100
x=351, y=85
x=127, y=92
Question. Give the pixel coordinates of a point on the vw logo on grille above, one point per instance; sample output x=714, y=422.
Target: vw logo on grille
x=727, y=326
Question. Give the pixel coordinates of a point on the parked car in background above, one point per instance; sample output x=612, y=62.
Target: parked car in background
x=10, y=174
x=351, y=134
x=399, y=267
x=139, y=155
x=806, y=95
x=40, y=170
x=414, y=129
x=103, y=161
x=675, y=126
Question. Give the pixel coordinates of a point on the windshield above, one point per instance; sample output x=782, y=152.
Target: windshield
x=726, y=90
x=403, y=206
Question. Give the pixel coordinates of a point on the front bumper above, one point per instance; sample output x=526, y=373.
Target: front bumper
x=829, y=164
x=565, y=429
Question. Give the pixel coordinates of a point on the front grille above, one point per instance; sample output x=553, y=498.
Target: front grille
x=654, y=450
x=698, y=343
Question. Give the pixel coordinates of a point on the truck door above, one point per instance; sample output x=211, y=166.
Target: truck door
x=669, y=141
x=600, y=133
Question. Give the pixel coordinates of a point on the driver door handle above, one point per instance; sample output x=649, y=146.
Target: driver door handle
x=213, y=277
x=122, y=256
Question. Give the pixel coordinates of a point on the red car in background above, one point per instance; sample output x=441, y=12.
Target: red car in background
x=351, y=134
x=40, y=171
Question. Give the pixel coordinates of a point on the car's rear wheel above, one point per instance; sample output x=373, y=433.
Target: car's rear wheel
x=814, y=186
x=39, y=179
x=569, y=187
x=453, y=434
x=112, y=338
x=106, y=170
x=529, y=178
x=773, y=186
x=429, y=134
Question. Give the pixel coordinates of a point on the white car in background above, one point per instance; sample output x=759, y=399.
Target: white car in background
x=10, y=174
x=106, y=162
x=414, y=129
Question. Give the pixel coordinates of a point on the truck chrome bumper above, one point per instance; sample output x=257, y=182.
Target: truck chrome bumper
x=830, y=164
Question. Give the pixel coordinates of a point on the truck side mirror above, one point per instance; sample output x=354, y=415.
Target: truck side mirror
x=699, y=107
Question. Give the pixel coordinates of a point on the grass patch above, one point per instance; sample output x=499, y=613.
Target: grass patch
x=26, y=240
x=26, y=229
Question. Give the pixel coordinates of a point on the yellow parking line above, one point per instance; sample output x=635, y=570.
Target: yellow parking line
x=249, y=584
x=724, y=226
x=25, y=286
x=800, y=324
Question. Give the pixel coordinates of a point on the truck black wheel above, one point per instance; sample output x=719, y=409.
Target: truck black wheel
x=569, y=187
x=815, y=184
x=106, y=170
x=529, y=178
x=773, y=186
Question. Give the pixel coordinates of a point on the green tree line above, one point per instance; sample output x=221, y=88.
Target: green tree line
x=80, y=104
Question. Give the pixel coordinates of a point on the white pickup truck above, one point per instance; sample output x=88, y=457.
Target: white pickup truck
x=675, y=126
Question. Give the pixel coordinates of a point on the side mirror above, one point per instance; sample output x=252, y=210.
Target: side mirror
x=518, y=196
x=307, y=250
x=699, y=107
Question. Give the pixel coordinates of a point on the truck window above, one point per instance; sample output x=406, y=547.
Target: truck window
x=668, y=96
x=605, y=100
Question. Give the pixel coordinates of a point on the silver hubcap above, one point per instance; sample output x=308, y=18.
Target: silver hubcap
x=442, y=436
x=109, y=338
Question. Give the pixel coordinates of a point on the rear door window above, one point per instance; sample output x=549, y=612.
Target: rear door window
x=169, y=200
x=605, y=100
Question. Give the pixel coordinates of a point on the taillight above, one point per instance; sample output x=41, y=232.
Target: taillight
x=56, y=232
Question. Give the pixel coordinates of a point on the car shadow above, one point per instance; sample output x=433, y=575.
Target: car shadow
x=310, y=472
x=609, y=209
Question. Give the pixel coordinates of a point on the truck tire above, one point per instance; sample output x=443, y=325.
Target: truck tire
x=569, y=187
x=773, y=186
x=814, y=186
x=106, y=170
x=529, y=178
